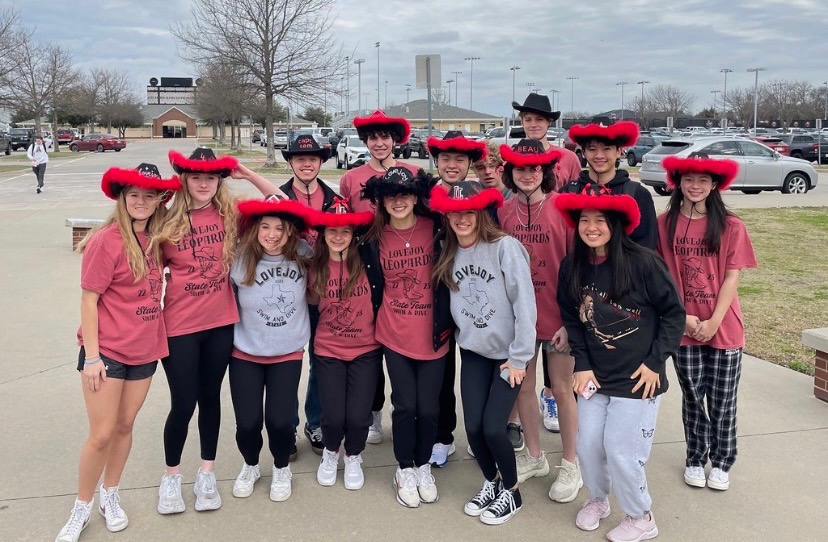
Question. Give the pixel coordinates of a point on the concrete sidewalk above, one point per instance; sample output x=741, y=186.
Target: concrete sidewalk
x=777, y=483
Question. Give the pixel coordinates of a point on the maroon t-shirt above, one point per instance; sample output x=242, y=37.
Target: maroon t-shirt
x=198, y=294
x=405, y=320
x=130, y=327
x=346, y=324
x=699, y=273
x=352, y=183
x=314, y=200
x=545, y=239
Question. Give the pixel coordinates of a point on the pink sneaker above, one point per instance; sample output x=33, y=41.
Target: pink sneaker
x=591, y=514
x=634, y=529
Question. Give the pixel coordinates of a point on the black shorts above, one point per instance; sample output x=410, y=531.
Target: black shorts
x=122, y=371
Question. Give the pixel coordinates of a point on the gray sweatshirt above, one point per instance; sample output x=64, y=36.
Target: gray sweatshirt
x=494, y=308
x=273, y=313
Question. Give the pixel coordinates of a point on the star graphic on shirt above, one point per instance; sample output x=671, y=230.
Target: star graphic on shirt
x=279, y=299
x=474, y=297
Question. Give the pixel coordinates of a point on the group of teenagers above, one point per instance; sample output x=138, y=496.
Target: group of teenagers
x=536, y=255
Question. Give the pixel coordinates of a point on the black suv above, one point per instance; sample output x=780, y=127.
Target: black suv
x=5, y=143
x=417, y=143
x=21, y=138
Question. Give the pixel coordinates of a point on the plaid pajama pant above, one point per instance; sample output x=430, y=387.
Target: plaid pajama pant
x=709, y=380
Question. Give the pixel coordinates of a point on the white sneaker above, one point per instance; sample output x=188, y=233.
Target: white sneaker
x=280, y=487
x=354, y=477
x=110, y=508
x=529, y=467
x=170, y=500
x=206, y=491
x=246, y=481
x=77, y=522
x=566, y=486
x=549, y=411
x=718, y=479
x=440, y=454
x=375, y=431
x=405, y=486
x=326, y=473
x=694, y=476
x=426, y=485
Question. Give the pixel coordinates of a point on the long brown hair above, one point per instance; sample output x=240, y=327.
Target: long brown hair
x=178, y=225
x=487, y=232
x=250, y=251
x=320, y=260
x=382, y=218
x=136, y=256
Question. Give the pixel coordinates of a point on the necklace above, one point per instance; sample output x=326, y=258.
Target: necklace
x=404, y=240
x=529, y=212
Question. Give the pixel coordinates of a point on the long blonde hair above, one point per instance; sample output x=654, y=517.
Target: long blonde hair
x=177, y=224
x=251, y=251
x=136, y=256
x=487, y=232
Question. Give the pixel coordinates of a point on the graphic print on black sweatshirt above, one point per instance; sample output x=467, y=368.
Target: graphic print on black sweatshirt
x=472, y=281
x=278, y=294
x=607, y=320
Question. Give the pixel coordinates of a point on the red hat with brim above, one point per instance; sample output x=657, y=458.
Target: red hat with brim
x=339, y=215
x=723, y=172
x=600, y=198
x=457, y=142
x=529, y=152
x=464, y=196
x=621, y=134
x=380, y=122
x=286, y=209
x=202, y=160
x=116, y=179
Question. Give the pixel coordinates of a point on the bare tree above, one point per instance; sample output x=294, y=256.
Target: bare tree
x=285, y=46
x=645, y=109
x=740, y=104
x=115, y=92
x=226, y=94
x=671, y=100
x=13, y=37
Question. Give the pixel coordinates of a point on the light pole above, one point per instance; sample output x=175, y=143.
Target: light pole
x=621, y=84
x=825, y=114
x=554, y=93
x=377, y=45
x=715, y=93
x=756, y=95
x=642, y=83
x=456, y=74
x=341, y=89
x=407, y=92
x=514, y=73
x=359, y=63
x=450, y=81
x=725, y=71
x=348, y=85
x=572, y=93
x=531, y=87
x=471, y=80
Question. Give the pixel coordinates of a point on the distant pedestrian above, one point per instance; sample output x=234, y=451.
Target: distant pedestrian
x=39, y=156
x=706, y=247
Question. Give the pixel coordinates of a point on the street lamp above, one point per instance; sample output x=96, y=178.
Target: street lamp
x=825, y=114
x=450, y=81
x=359, y=63
x=471, y=79
x=725, y=71
x=514, y=73
x=386, y=93
x=377, y=45
x=531, y=87
x=407, y=92
x=348, y=92
x=621, y=84
x=572, y=93
x=715, y=93
x=642, y=83
x=456, y=74
x=756, y=94
x=555, y=93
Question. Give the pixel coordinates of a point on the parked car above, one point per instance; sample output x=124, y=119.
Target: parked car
x=5, y=143
x=775, y=143
x=417, y=143
x=64, y=136
x=506, y=135
x=256, y=137
x=280, y=139
x=21, y=138
x=645, y=144
x=803, y=146
x=334, y=137
x=760, y=168
x=351, y=152
x=318, y=136
x=97, y=143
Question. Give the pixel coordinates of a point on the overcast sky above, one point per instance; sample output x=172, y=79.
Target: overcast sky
x=602, y=42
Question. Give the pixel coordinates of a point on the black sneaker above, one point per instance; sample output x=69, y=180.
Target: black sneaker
x=293, y=451
x=515, y=433
x=38, y=190
x=484, y=498
x=506, y=505
x=315, y=438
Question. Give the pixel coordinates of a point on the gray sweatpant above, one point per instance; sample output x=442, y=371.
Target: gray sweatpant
x=615, y=435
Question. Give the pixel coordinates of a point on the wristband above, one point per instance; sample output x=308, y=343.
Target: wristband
x=92, y=361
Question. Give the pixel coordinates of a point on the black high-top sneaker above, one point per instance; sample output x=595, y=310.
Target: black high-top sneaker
x=506, y=505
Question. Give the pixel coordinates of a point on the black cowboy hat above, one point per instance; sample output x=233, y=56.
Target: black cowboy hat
x=537, y=103
x=306, y=144
x=398, y=181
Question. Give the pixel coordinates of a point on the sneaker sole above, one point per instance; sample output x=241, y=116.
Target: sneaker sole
x=694, y=482
x=597, y=523
x=280, y=498
x=117, y=528
x=352, y=487
x=500, y=520
x=243, y=494
x=399, y=500
x=534, y=474
x=552, y=429
x=519, y=448
x=473, y=512
x=649, y=535
x=173, y=510
x=570, y=498
x=206, y=507
x=326, y=483
x=718, y=486
x=422, y=500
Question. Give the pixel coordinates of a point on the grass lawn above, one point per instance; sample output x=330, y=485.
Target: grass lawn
x=10, y=168
x=788, y=292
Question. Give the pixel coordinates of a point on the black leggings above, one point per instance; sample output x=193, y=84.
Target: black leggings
x=379, y=392
x=346, y=389
x=415, y=391
x=447, y=420
x=248, y=383
x=487, y=402
x=195, y=370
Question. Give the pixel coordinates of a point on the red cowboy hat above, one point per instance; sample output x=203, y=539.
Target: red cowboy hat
x=464, y=196
x=529, y=152
x=339, y=214
x=286, y=209
x=454, y=141
x=622, y=134
x=723, y=172
x=380, y=121
x=115, y=179
x=202, y=160
x=594, y=196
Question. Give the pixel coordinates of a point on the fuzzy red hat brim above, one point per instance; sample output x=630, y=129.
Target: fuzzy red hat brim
x=517, y=159
x=116, y=179
x=222, y=165
x=567, y=204
x=441, y=202
x=399, y=125
x=475, y=150
x=339, y=220
x=623, y=134
x=723, y=172
x=287, y=209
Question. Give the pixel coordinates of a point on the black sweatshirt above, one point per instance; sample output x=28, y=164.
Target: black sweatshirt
x=612, y=339
x=646, y=234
